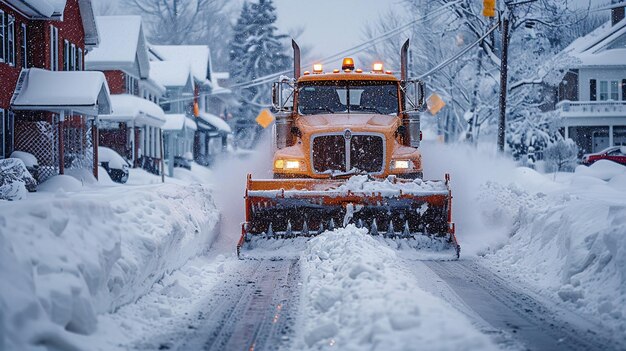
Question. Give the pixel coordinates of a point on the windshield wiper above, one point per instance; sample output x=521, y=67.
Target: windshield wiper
x=319, y=108
x=370, y=108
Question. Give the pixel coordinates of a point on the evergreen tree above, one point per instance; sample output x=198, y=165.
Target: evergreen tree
x=256, y=51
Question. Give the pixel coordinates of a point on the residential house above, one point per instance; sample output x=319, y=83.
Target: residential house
x=593, y=92
x=134, y=129
x=48, y=105
x=212, y=135
x=180, y=127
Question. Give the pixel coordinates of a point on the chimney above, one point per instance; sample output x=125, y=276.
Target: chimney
x=617, y=13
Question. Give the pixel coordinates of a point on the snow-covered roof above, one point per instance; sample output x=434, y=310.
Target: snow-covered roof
x=83, y=92
x=196, y=56
x=171, y=73
x=215, y=121
x=132, y=108
x=92, y=37
x=54, y=9
x=33, y=8
x=594, y=48
x=221, y=75
x=175, y=122
x=122, y=46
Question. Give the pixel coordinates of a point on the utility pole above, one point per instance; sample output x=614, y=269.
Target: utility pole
x=503, y=80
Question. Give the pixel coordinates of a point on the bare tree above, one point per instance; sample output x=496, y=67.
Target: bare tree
x=174, y=22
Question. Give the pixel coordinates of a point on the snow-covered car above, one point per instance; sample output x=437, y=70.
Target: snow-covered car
x=614, y=153
x=115, y=165
x=30, y=161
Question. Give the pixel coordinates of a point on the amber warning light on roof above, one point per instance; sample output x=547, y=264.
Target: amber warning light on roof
x=348, y=64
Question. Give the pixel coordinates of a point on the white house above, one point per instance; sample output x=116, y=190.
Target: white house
x=134, y=128
x=212, y=134
x=593, y=92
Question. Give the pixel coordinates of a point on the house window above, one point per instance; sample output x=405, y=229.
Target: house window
x=2, y=134
x=73, y=63
x=10, y=40
x=66, y=55
x=132, y=85
x=54, y=48
x=80, y=59
x=609, y=90
x=6, y=133
x=2, y=36
x=24, y=46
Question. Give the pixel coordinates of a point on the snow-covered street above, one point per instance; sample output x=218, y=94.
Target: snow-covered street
x=296, y=175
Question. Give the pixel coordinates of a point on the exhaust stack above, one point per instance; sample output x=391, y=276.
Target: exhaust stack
x=404, y=61
x=296, y=59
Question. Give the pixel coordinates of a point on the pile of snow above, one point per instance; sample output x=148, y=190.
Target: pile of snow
x=61, y=183
x=348, y=279
x=567, y=236
x=15, y=179
x=114, y=159
x=72, y=256
x=30, y=161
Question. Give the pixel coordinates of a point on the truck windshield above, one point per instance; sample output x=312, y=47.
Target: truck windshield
x=348, y=97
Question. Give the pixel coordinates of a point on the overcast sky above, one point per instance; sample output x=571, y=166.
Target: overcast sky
x=330, y=25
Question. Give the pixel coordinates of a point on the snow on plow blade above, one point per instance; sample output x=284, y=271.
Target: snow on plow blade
x=282, y=213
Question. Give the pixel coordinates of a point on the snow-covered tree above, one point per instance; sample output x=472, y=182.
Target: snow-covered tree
x=470, y=84
x=257, y=50
x=561, y=155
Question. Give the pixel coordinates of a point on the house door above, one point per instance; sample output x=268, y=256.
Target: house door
x=599, y=140
x=619, y=135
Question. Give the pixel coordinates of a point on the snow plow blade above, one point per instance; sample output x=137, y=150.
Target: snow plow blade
x=406, y=214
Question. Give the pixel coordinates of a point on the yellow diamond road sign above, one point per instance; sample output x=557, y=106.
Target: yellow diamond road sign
x=265, y=118
x=435, y=104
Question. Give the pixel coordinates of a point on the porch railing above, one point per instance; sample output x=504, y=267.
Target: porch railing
x=587, y=108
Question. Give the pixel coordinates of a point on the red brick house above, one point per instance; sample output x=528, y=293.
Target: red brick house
x=50, y=114
x=133, y=130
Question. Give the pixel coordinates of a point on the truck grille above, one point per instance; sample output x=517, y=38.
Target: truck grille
x=366, y=153
x=329, y=153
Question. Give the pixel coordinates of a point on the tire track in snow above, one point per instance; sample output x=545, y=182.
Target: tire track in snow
x=253, y=312
x=512, y=316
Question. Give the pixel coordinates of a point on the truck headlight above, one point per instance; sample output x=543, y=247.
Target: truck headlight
x=287, y=164
x=402, y=164
x=292, y=164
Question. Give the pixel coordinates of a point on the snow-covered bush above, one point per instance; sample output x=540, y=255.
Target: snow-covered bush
x=15, y=179
x=561, y=155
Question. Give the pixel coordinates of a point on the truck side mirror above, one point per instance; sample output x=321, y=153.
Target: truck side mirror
x=282, y=95
x=275, y=103
x=415, y=95
x=420, y=94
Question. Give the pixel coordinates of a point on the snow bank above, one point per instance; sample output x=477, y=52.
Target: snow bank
x=71, y=256
x=568, y=239
x=469, y=168
x=348, y=279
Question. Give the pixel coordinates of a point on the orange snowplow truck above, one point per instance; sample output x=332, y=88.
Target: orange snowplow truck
x=347, y=151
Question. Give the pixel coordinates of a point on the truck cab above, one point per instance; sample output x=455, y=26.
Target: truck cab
x=345, y=122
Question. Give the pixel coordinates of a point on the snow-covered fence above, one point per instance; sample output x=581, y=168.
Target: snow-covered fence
x=42, y=140
x=78, y=144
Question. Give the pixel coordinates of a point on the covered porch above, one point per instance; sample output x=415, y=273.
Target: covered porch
x=178, y=138
x=56, y=116
x=134, y=130
x=594, y=125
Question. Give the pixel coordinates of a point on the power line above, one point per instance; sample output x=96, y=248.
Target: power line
x=457, y=55
x=352, y=50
